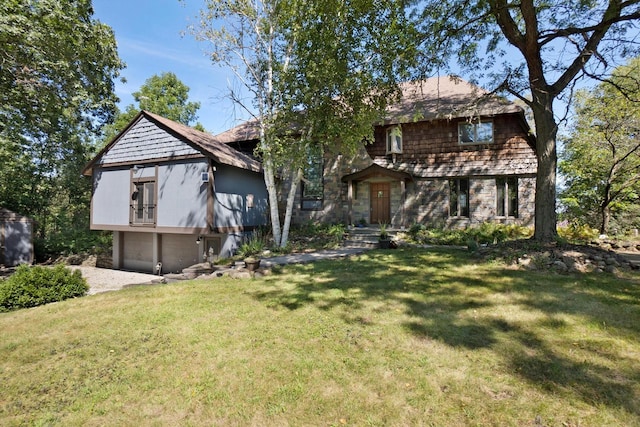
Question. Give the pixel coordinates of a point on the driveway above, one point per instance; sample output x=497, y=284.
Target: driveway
x=104, y=279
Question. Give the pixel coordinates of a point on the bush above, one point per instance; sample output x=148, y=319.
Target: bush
x=577, y=233
x=336, y=233
x=486, y=233
x=33, y=286
x=254, y=245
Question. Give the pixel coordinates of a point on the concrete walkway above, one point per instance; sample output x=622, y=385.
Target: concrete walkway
x=104, y=280
x=303, y=258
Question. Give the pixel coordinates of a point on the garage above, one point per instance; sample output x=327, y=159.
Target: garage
x=138, y=252
x=179, y=251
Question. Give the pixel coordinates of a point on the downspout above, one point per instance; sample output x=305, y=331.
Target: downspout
x=210, y=197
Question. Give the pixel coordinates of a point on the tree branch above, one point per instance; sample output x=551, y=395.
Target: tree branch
x=548, y=36
x=613, y=10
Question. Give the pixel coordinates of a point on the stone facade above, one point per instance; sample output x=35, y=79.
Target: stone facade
x=432, y=120
x=425, y=200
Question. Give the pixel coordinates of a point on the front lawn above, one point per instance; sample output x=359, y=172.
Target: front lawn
x=404, y=337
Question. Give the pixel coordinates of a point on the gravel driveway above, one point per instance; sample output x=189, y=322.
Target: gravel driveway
x=104, y=279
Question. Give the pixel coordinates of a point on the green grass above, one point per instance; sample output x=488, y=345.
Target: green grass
x=404, y=337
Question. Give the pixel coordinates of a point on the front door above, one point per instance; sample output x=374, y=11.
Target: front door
x=380, y=203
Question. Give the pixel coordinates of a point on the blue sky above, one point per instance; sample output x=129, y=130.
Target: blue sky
x=149, y=39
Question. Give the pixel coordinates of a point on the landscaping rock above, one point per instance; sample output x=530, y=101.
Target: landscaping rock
x=240, y=274
x=560, y=266
x=525, y=262
x=564, y=258
x=611, y=261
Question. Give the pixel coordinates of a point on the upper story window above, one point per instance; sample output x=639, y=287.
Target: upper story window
x=143, y=202
x=394, y=140
x=312, y=190
x=475, y=132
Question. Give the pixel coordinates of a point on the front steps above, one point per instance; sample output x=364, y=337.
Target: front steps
x=365, y=237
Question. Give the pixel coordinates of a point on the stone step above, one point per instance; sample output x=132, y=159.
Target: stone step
x=365, y=237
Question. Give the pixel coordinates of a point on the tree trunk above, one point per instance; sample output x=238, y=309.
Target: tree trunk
x=269, y=180
x=605, y=212
x=606, y=216
x=545, y=200
x=296, y=177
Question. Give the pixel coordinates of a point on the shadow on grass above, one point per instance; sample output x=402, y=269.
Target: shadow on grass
x=437, y=292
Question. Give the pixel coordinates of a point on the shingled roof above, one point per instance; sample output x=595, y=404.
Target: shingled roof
x=441, y=97
x=247, y=131
x=446, y=97
x=205, y=143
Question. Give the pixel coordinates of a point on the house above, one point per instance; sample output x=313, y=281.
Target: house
x=16, y=239
x=173, y=196
x=448, y=154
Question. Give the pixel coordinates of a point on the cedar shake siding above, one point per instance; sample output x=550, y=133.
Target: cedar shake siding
x=423, y=165
x=431, y=149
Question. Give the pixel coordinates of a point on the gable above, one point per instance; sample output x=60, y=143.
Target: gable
x=146, y=141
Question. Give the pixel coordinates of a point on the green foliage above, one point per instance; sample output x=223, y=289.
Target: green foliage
x=33, y=286
x=486, y=233
x=319, y=73
x=254, y=245
x=601, y=158
x=384, y=234
x=315, y=235
x=72, y=241
x=56, y=90
x=577, y=233
x=542, y=48
x=336, y=232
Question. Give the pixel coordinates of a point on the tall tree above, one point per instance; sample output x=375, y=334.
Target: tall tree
x=601, y=158
x=165, y=95
x=319, y=74
x=532, y=47
x=57, y=71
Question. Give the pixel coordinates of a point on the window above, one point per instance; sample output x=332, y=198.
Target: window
x=394, y=140
x=459, y=197
x=143, y=205
x=312, y=185
x=507, y=196
x=475, y=133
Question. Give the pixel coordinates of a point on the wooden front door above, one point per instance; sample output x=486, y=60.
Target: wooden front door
x=380, y=203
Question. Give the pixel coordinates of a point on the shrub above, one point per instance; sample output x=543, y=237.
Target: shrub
x=336, y=233
x=254, y=245
x=33, y=286
x=575, y=232
x=416, y=228
x=486, y=233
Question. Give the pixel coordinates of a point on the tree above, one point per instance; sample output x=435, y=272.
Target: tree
x=601, y=158
x=57, y=71
x=319, y=75
x=545, y=48
x=163, y=94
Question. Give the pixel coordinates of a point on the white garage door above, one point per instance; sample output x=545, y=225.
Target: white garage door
x=138, y=252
